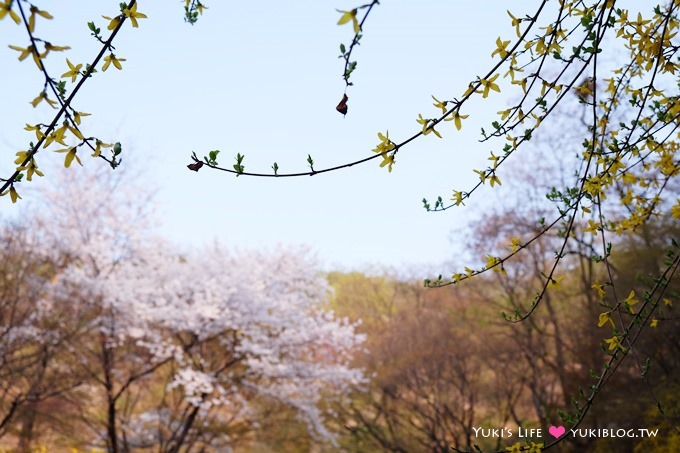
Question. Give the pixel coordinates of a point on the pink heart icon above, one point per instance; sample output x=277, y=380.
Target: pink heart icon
x=556, y=431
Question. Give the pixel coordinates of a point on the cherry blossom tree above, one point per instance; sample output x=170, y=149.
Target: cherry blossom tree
x=173, y=347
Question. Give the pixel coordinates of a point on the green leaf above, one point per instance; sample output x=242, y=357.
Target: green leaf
x=238, y=166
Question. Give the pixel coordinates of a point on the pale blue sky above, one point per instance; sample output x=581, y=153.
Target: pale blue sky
x=263, y=79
